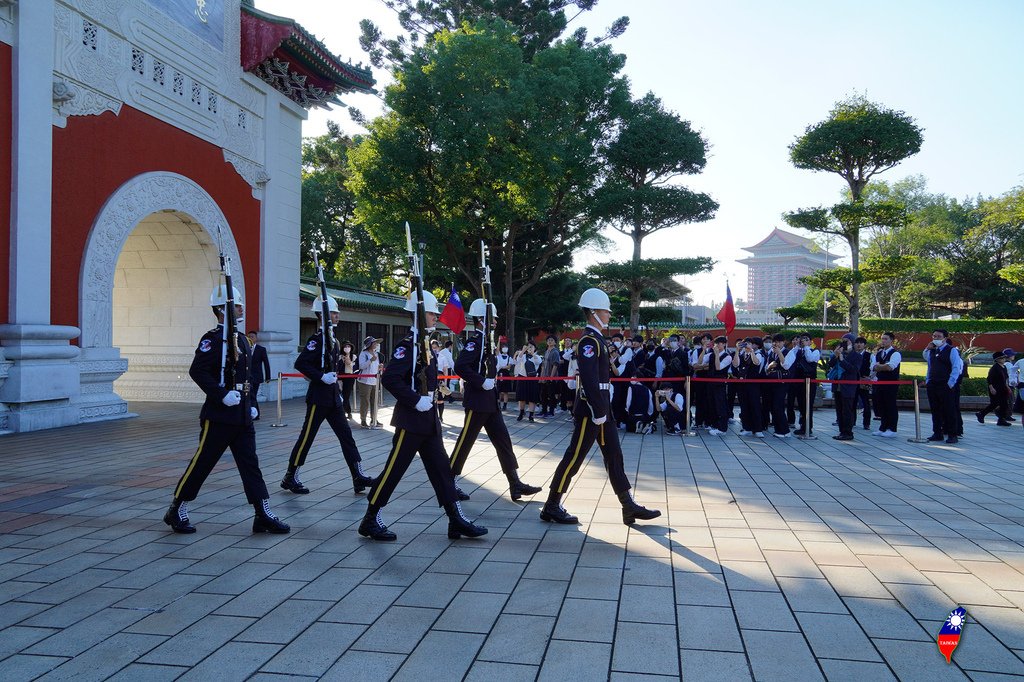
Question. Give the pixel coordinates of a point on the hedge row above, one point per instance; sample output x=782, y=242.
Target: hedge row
x=971, y=386
x=925, y=325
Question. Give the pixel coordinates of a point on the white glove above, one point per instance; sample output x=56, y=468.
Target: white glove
x=329, y=378
x=424, y=403
x=253, y=412
x=600, y=420
x=488, y=384
x=232, y=398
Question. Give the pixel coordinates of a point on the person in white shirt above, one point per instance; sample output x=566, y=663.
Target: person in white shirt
x=803, y=359
x=504, y=365
x=885, y=366
x=944, y=369
x=366, y=386
x=777, y=366
x=672, y=404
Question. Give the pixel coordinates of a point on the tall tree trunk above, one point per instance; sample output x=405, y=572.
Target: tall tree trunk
x=510, y=323
x=634, y=294
x=854, y=241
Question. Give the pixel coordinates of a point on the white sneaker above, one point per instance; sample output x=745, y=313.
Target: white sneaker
x=716, y=432
x=734, y=420
x=759, y=434
x=878, y=433
x=746, y=433
x=783, y=435
x=889, y=434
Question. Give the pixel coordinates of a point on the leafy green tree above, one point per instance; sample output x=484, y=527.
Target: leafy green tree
x=478, y=144
x=653, y=148
x=858, y=140
x=794, y=312
x=348, y=252
x=538, y=23
x=647, y=280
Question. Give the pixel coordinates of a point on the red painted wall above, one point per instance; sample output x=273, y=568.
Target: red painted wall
x=6, y=79
x=94, y=155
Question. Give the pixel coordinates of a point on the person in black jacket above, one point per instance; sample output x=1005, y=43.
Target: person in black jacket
x=480, y=400
x=851, y=363
x=260, y=370
x=323, y=402
x=591, y=414
x=864, y=391
x=417, y=430
x=226, y=422
x=999, y=390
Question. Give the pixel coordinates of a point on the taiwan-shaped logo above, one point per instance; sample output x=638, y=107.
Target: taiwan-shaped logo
x=949, y=635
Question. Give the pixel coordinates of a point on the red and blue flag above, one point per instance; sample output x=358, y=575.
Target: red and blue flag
x=949, y=635
x=727, y=315
x=453, y=316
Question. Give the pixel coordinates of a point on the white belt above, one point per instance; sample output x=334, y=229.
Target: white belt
x=606, y=387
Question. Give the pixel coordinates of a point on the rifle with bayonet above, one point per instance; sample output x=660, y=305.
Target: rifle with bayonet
x=488, y=362
x=229, y=350
x=421, y=344
x=326, y=356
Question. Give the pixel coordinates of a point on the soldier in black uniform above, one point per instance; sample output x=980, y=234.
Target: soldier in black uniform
x=226, y=422
x=480, y=400
x=323, y=402
x=591, y=414
x=417, y=430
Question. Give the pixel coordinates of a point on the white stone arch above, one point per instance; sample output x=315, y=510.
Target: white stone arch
x=127, y=206
x=100, y=363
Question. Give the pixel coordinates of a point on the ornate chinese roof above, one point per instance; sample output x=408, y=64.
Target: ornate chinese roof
x=786, y=237
x=295, y=62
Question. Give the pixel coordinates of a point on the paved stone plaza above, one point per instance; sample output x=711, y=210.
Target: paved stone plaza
x=774, y=560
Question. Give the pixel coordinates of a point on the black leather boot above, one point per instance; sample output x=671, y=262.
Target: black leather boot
x=459, y=525
x=177, y=518
x=517, y=488
x=461, y=493
x=292, y=483
x=266, y=521
x=631, y=511
x=373, y=527
x=360, y=481
x=553, y=512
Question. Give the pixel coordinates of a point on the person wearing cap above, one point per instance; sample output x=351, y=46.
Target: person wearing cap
x=999, y=390
x=591, y=414
x=480, y=400
x=417, y=430
x=885, y=366
x=225, y=422
x=323, y=402
x=945, y=366
x=366, y=384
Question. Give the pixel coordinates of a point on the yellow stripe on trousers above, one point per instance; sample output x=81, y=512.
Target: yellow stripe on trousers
x=462, y=439
x=305, y=436
x=391, y=463
x=575, y=456
x=195, y=458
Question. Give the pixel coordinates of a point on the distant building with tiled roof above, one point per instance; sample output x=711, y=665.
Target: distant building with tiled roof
x=774, y=270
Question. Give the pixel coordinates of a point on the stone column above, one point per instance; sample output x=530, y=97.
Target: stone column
x=41, y=381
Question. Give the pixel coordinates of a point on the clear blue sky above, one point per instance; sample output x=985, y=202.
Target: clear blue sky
x=752, y=75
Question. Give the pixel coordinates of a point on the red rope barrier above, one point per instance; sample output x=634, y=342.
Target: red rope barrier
x=710, y=380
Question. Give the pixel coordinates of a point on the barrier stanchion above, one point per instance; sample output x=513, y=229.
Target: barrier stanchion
x=687, y=427
x=280, y=391
x=808, y=409
x=917, y=416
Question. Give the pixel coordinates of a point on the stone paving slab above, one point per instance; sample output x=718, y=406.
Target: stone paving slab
x=773, y=560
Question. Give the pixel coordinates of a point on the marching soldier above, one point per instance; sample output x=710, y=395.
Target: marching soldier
x=226, y=422
x=481, y=404
x=591, y=414
x=417, y=430
x=323, y=402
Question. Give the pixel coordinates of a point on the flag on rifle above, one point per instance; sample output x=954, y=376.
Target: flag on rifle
x=453, y=316
x=727, y=315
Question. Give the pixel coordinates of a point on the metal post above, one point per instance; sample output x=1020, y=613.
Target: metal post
x=808, y=408
x=687, y=431
x=917, y=417
x=280, y=391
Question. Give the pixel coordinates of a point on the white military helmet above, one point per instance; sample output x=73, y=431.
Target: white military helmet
x=318, y=305
x=219, y=296
x=595, y=299
x=429, y=303
x=477, y=309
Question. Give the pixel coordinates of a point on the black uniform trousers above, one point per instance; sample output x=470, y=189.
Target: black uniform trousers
x=942, y=403
x=751, y=417
x=718, y=406
x=864, y=398
x=254, y=390
x=494, y=424
x=806, y=411
x=998, y=403
x=214, y=439
x=404, y=445
x=703, y=412
x=315, y=416
x=584, y=433
x=846, y=412
x=777, y=394
x=885, y=404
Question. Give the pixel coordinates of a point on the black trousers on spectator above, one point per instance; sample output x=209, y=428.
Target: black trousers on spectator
x=720, y=411
x=998, y=403
x=942, y=402
x=750, y=408
x=806, y=411
x=702, y=408
x=847, y=413
x=777, y=394
x=864, y=398
x=885, y=405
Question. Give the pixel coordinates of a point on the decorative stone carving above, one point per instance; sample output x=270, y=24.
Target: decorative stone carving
x=133, y=201
x=253, y=173
x=70, y=99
